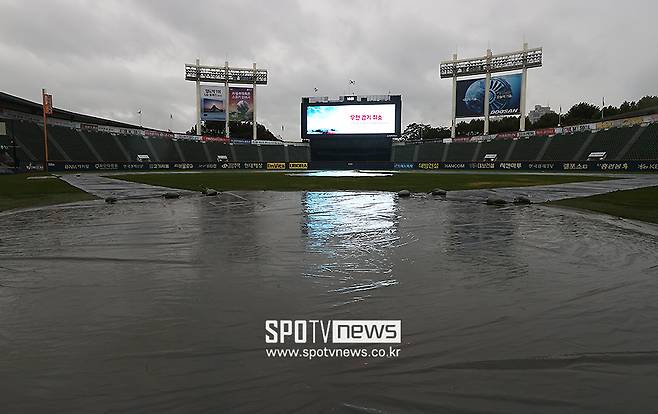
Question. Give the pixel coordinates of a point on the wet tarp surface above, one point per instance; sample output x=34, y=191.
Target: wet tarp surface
x=159, y=305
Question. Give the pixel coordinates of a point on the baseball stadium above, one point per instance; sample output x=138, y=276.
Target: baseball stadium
x=503, y=262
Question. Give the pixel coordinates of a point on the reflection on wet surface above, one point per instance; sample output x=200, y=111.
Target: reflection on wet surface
x=158, y=306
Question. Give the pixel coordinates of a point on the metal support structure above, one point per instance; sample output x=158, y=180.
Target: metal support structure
x=487, y=93
x=226, y=100
x=453, y=127
x=226, y=75
x=255, y=129
x=524, y=77
x=198, y=103
x=45, y=132
x=486, y=65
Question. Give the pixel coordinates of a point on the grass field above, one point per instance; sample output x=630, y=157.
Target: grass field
x=16, y=191
x=641, y=204
x=416, y=182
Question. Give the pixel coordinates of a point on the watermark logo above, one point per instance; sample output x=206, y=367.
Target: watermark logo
x=313, y=338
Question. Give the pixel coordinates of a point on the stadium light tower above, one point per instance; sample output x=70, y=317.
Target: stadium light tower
x=226, y=75
x=486, y=65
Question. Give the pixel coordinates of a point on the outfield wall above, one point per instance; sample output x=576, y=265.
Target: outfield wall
x=570, y=166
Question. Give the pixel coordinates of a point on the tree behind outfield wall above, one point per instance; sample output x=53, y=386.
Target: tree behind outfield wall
x=417, y=132
x=581, y=113
x=549, y=120
x=238, y=129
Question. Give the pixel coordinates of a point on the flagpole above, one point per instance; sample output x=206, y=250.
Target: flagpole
x=45, y=131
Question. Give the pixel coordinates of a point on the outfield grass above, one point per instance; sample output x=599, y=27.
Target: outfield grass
x=640, y=204
x=16, y=191
x=416, y=182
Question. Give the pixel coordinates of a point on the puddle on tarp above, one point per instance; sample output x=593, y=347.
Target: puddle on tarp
x=159, y=305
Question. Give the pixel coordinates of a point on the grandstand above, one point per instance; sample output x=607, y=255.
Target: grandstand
x=646, y=146
x=610, y=141
x=461, y=151
x=432, y=151
x=527, y=149
x=80, y=138
x=563, y=147
x=500, y=147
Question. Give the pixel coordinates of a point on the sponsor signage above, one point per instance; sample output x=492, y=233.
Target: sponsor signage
x=545, y=132
x=241, y=104
x=240, y=141
x=276, y=165
x=214, y=139
x=507, y=135
x=47, y=103
x=88, y=127
x=504, y=96
x=434, y=165
x=265, y=142
x=185, y=137
x=212, y=103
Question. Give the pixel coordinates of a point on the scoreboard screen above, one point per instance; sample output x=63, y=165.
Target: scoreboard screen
x=351, y=118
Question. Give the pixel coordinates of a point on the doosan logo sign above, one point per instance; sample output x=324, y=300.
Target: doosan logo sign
x=334, y=331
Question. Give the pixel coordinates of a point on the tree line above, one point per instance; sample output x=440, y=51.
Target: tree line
x=580, y=113
x=238, y=129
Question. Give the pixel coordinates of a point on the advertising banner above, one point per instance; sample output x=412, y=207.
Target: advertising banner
x=265, y=142
x=350, y=119
x=504, y=96
x=47, y=104
x=206, y=138
x=651, y=166
x=185, y=137
x=212, y=103
x=241, y=104
x=545, y=132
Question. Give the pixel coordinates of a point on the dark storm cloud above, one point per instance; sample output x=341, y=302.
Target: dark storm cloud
x=112, y=58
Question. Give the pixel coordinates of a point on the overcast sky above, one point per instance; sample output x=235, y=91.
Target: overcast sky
x=110, y=58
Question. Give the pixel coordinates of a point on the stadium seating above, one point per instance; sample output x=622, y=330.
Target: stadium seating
x=106, y=146
x=527, y=149
x=404, y=153
x=297, y=153
x=31, y=136
x=646, y=146
x=89, y=145
x=497, y=146
x=431, y=151
x=217, y=148
x=611, y=141
x=192, y=151
x=246, y=153
x=164, y=149
x=135, y=145
x=71, y=142
x=461, y=151
x=273, y=153
x=565, y=147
